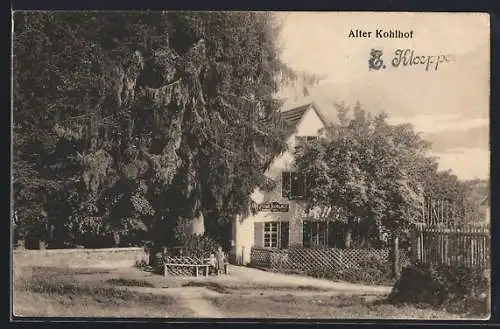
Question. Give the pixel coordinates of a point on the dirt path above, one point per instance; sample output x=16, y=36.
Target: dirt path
x=192, y=298
x=248, y=282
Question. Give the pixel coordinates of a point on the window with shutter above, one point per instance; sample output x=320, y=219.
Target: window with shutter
x=301, y=141
x=275, y=235
x=284, y=235
x=306, y=241
x=315, y=234
x=298, y=185
x=301, y=186
x=285, y=184
x=293, y=185
x=258, y=234
x=271, y=235
x=311, y=139
x=309, y=186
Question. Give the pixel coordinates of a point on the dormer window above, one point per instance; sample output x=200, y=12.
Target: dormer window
x=304, y=140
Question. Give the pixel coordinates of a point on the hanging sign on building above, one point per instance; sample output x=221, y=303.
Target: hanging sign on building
x=274, y=207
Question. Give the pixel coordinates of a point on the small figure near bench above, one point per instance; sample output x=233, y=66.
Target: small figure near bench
x=218, y=262
x=221, y=264
x=221, y=258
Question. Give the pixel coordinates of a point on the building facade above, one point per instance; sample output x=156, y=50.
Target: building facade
x=281, y=220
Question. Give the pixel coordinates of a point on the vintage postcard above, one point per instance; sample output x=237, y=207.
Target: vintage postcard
x=251, y=165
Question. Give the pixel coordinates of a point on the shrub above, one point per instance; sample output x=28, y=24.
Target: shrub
x=200, y=246
x=457, y=288
x=370, y=270
x=129, y=283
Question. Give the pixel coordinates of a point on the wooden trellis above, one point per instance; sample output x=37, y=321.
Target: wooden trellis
x=304, y=259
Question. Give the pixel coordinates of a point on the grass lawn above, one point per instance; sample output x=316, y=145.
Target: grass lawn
x=130, y=292
x=265, y=305
x=87, y=293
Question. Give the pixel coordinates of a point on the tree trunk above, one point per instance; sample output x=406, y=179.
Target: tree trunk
x=348, y=232
x=348, y=237
x=197, y=226
x=395, y=256
x=116, y=239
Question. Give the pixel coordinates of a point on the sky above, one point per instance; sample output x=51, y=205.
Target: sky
x=449, y=106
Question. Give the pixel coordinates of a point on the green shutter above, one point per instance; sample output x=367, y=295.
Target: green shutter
x=307, y=234
x=258, y=235
x=285, y=235
x=285, y=184
x=301, y=185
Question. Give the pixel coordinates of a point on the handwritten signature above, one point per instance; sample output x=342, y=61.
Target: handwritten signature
x=406, y=58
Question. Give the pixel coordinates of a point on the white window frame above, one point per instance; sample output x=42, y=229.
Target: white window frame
x=272, y=234
x=304, y=140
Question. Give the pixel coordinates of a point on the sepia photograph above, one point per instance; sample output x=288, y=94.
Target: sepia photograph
x=250, y=165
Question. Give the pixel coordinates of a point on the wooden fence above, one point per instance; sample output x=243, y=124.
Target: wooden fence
x=467, y=245
x=305, y=260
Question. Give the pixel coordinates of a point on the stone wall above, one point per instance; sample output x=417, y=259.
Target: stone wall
x=108, y=257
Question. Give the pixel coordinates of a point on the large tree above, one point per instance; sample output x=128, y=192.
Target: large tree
x=134, y=125
x=368, y=169
x=382, y=175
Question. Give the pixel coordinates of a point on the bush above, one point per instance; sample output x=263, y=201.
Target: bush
x=370, y=270
x=129, y=283
x=456, y=288
x=200, y=246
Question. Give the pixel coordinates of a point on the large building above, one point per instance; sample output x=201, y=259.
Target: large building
x=280, y=220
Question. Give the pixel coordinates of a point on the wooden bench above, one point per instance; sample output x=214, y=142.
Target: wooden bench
x=196, y=266
x=186, y=262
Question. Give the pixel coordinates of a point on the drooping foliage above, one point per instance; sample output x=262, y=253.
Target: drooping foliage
x=128, y=125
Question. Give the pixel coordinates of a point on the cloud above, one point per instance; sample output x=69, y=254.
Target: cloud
x=466, y=163
x=450, y=106
x=451, y=140
x=449, y=132
x=318, y=42
x=435, y=123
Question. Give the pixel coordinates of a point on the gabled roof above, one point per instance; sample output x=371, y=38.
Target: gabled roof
x=292, y=117
x=290, y=120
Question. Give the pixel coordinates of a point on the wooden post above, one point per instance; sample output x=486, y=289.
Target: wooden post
x=472, y=245
x=419, y=245
x=447, y=260
x=395, y=256
x=414, y=244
